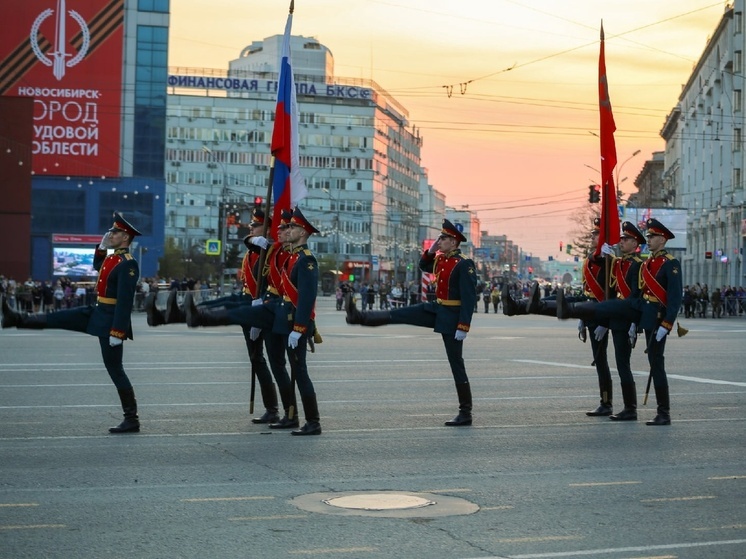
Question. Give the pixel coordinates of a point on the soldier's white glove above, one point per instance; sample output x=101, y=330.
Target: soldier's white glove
x=661, y=333
x=256, y=302
x=259, y=241
x=606, y=249
x=581, y=331
x=293, y=339
x=114, y=342
x=105, y=240
x=460, y=336
x=600, y=332
x=254, y=333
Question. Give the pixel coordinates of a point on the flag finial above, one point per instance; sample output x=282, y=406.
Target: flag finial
x=292, y=6
x=602, y=27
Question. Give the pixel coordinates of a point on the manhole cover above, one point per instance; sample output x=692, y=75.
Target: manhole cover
x=379, y=501
x=384, y=504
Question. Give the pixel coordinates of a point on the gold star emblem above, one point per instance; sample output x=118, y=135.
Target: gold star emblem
x=675, y=271
x=310, y=266
x=132, y=272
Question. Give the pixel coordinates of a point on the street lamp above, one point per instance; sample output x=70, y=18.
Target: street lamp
x=222, y=217
x=619, y=171
x=336, y=229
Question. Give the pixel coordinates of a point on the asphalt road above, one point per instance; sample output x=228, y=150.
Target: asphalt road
x=533, y=478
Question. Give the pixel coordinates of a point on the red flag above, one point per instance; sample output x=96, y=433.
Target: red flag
x=609, y=212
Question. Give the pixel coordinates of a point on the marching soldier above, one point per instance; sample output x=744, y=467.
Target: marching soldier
x=250, y=274
x=449, y=315
x=594, y=289
x=108, y=319
x=655, y=311
x=293, y=316
x=277, y=256
x=625, y=273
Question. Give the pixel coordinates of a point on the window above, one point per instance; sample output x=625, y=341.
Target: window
x=160, y=6
x=737, y=62
x=737, y=101
x=736, y=139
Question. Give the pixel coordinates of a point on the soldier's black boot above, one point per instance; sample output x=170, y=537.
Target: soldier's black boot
x=464, y=407
x=13, y=319
x=155, y=317
x=202, y=317
x=290, y=405
x=365, y=318
x=269, y=397
x=546, y=308
x=605, y=408
x=510, y=306
x=629, y=413
x=311, y=410
x=584, y=310
x=131, y=423
x=174, y=315
x=664, y=412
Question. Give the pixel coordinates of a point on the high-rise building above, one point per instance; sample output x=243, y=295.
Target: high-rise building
x=95, y=73
x=359, y=154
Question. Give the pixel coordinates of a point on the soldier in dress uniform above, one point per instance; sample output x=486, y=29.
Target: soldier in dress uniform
x=625, y=273
x=276, y=343
x=594, y=288
x=108, y=319
x=654, y=311
x=293, y=316
x=449, y=315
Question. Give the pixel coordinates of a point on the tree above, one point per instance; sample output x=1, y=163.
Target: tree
x=582, y=222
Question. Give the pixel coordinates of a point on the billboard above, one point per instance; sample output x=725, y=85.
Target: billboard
x=674, y=220
x=72, y=255
x=68, y=56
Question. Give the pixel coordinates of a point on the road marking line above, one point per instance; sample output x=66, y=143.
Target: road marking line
x=602, y=483
x=457, y=490
x=32, y=526
x=728, y=527
x=275, y=517
x=531, y=539
x=727, y=477
x=502, y=507
x=213, y=499
x=671, y=499
x=601, y=552
x=333, y=550
x=19, y=504
x=639, y=373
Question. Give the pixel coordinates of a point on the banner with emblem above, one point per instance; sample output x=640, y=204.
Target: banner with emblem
x=68, y=56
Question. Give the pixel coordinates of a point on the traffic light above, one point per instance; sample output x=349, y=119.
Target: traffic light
x=594, y=193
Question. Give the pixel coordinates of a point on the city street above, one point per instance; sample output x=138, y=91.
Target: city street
x=534, y=477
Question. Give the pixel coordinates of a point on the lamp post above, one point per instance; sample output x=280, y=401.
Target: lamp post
x=619, y=171
x=337, y=240
x=222, y=217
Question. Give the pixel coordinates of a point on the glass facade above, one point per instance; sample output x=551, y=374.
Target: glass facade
x=160, y=6
x=58, y=210
x=137, y=207
x=150, y=100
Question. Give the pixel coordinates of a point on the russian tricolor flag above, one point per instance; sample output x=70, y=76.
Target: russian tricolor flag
x=288, y=186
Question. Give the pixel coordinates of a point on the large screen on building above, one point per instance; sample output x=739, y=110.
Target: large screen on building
x=73, y=262
x=68, y=56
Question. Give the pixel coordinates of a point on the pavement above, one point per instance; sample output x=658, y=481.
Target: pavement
x=534, y=477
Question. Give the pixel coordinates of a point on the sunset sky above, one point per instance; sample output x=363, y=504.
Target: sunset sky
x=515, y=139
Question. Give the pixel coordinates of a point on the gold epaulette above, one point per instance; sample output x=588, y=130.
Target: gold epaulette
x=307, y=252
x=128, y=256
